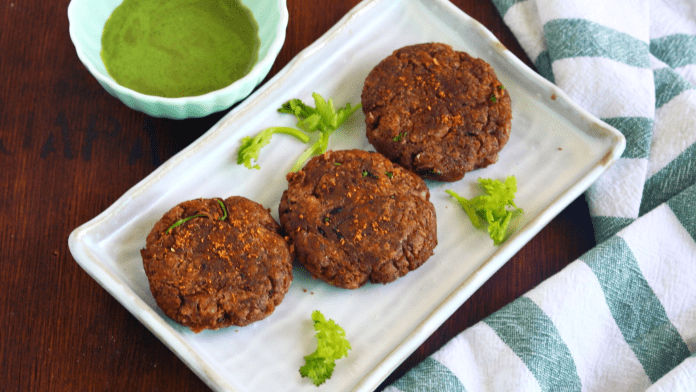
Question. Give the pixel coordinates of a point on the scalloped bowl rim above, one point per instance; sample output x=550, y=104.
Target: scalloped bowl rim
x=214, y=98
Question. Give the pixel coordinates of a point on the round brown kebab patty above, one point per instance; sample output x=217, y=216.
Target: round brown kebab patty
x=438, y=112
x=212, y=265
x=353, y=216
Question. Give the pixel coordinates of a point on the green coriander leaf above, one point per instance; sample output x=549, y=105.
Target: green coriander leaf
x=346, y=112
x=182, y=221
x=224, y=209
x=297, y=108
x=323, y=142
x=251, y=147
x=492, y=207
x=367, y=173
x=331, y=345
x=327, y=111
x=311, y=123
x=324, y=118
x=308, y=153
x=497, y=228
x=468, y=208
x=399, y=137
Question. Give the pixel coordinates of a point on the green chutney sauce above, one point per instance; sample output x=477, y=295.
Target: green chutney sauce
x=179, y=48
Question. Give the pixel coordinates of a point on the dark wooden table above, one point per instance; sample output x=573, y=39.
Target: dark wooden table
x=68, y=150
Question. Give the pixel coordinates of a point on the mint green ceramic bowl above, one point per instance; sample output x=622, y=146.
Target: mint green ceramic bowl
x=87, y=19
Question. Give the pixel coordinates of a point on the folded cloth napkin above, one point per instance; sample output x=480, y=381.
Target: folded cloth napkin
x=623, y=316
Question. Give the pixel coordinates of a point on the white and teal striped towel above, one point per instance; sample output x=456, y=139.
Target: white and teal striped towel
x=623, y=316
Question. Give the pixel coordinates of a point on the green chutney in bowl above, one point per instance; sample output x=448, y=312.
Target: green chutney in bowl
x=179, y=48
x=178, y=58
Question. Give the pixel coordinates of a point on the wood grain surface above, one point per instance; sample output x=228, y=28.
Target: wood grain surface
x=68, y=150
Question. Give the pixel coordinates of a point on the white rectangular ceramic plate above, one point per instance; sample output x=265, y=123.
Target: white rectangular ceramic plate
x=556, y=150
